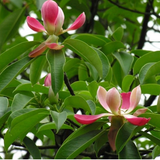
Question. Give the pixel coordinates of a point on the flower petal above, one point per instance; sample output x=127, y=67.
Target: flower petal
x=59, y=22
x=140, y=111
x=102, y=94
x=113, y=100
x=134, y=98
x=39, y=50
x=125, y=100
x=35, y=25
x=49, y=13
x=54, y=46
x=139, y=121
x=88, y=119
x=47, y=81
x=78, y=22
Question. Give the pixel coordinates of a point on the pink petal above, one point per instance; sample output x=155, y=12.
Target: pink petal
x=125, y=100
x=54, y=46
x=140, y=111
x=59, y=22
x=49, y=13
x=47, y=81
x=88, y=119
x=35, y=25
x=39, y=50
x=139, y=121
x=134, y=98
x=102, y=96
x=78, y=22
x=113, y=100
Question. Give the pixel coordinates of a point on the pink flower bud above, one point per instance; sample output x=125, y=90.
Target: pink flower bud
x=53, y=17
x=47, y=81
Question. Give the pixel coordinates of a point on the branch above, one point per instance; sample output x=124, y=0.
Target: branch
x=135, y=11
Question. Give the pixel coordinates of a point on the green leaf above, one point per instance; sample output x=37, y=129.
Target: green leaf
x=147, y=58
x=124, y=134
x=3, y=119
x=91, y=39
x=56, y=61
x=59, y=119
x=12, y=71
x=52, y=125
x=153, y=89
x=92, y=106
x=17, y=3
x=20, y=101
x=112, y=47
x=156, y=152
x=36, y=69
x=32, y=148
x=8, y=56
x=79, y=85
x=10, y=25
x=21, y=122
x=130, y=151
x=148, y=70
x=74, y=102
x=78, y=144
x=105, y=62
x=93, y=87
x=126, y=83
x=86, y=52
x=3, y=105
x=35, y=88
x=125, y=60
x=118, y=34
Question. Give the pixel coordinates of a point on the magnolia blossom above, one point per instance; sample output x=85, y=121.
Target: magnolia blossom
x=47, y=81
x=53, y=19
x=117, y=105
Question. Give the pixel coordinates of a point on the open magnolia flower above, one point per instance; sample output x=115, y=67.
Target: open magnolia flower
x=117, y=105
x=53, y=18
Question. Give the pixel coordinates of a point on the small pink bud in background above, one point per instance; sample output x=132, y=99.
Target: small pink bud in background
x=47, y=81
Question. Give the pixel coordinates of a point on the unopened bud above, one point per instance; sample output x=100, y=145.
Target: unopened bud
x=52, y=97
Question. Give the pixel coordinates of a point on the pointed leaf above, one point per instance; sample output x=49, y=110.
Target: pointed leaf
x=86, y=52
x=12, y=71
x=32, y=148
x=118, y=34
x=59, y=118
x=56, y=61
x=3, y=105
x=10, y=25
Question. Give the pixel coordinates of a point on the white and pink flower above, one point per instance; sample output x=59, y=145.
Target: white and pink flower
x=53, y=19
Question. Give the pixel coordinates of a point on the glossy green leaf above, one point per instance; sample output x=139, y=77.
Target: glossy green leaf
x=3, y=105
x=35, y=88
x=74, y=102
x=52, y=125
x=105, y=62
x=78, y=144
x=125, y=60
x=79, y=86
x=126, y=83
x=124, y=135
x=71, y=67
x=91, y=39
x=4, y=117
x=153, y=89
x=83, y=74
x=93, y=87
x=21, y=122
x=36, y=69
x=17, y=3
x=156, y=152
x=20, y=101
x=130, y=151
x=112, y=47
x=147, y=58
x=32, y=148
x=56, y=61
x=86, y=52
x=148, y=70
x=10, y=25
x=12, y=71
x=59, y=118
x=92, y=106
x=118, y=34
x=12, y=53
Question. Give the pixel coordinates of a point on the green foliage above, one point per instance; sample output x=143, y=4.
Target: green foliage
x=107, y=50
